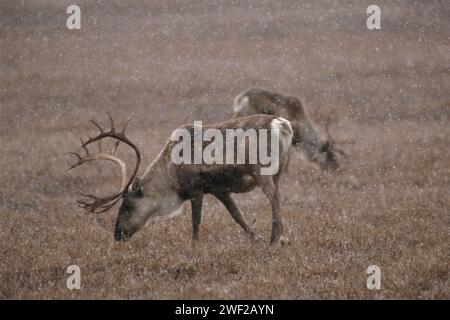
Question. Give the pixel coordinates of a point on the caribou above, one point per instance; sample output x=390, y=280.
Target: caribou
x=165, y=185
x=317, y=148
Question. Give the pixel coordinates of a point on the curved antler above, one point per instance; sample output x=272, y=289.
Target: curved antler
x=99, y=205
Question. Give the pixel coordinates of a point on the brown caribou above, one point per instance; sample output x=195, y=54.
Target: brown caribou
x=317, y=148
x=165, y=185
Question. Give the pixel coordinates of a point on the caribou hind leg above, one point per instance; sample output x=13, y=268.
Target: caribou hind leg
x=232, y=208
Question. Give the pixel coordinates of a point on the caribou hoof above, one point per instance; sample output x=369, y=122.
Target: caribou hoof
x=281, y=241
x=284, y=241
x=254, y=238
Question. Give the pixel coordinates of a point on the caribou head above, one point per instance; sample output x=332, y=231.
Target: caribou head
x=132, y=215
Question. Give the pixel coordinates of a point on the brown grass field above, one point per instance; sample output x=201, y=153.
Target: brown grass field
x=167, y=63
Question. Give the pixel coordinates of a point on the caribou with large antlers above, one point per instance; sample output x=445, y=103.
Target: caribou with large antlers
x=317, y=148
x=165, y=185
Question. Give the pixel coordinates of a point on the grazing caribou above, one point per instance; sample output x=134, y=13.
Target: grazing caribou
x=165, y=185
x=317, y=149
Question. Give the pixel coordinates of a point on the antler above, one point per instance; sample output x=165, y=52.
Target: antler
x=99, y=205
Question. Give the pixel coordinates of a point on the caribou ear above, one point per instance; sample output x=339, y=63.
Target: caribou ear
x=137, y=187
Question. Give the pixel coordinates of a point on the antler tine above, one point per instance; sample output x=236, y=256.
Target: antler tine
x=84, y=204
x=95, y=207
x=76, y=154
x=84, y=146
x=99, y=127
x=116, y=145
x=87, y=195
x=125, y=126
x=111, y=121
x=103, y=204
x=80, y=160
x=88, y=206
x=107, y=206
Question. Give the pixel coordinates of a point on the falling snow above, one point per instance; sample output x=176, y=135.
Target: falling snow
x=167, y=63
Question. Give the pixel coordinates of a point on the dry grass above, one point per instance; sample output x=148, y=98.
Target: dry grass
x=185, y=62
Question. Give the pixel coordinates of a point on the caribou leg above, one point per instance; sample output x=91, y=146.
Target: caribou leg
x=232, y=208
x=270, y=190
x=196, y=204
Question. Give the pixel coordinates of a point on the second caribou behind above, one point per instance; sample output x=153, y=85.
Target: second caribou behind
x=317, y=148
